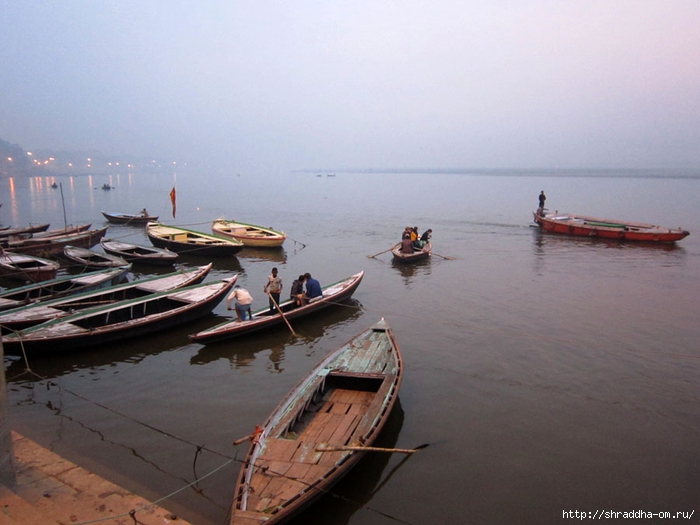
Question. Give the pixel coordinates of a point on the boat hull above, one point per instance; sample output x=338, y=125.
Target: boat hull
x=419, y=255
x=138, y=254
x=61, y=287
x=22, y=267
x=262, y=320
x=13, y=232
x=129, y=219
x=46, y=247
x=317, y=433
x=593, y=227
x=36, y=313
x=184, y=241
x=249, y=234
x=128, y=319
x=90, y=259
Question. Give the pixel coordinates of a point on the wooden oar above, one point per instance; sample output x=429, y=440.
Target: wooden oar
x=443, y=256
x=282, y=314
x=373, y=256
x=331, y=448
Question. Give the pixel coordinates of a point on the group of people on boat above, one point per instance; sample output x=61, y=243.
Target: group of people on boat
x=303, y=290
x=411, y=241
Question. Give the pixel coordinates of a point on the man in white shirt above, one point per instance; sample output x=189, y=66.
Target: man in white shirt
x=273, y=288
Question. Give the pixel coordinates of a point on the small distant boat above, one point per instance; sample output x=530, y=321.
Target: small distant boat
x=106, y=186
x=23, y=267
x=91, y=259
x=415, y=255
x=321, y=429
x=584, y=226
x=61, y=286
x=131, y=318
x=137, y=254
x=129, y=218
x=34, y=314
x=54, y=185
x=185, y=241
x=249, y=234
x=262, y=319
x=48, y=246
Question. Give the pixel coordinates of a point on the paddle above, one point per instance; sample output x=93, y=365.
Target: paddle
x=331, y=448
x=373, y=256
x=443, y=256
x=282, y=314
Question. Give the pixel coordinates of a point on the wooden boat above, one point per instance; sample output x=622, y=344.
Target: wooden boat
x=11, y=232
x=135, y=253
x=249, y=234
x=48, y=246
x=59, y=232
x=91, y=259
x=128, y=218
x=61, y=286
x=131, y=318
x=27, y=267
x=584, y=226
x=320, y=430
x=262, y=319
x=182, y=240
x=416, y=255
x=33, y=314
x=6, y=241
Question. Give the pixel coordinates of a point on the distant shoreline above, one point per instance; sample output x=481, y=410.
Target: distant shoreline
x=646, y=173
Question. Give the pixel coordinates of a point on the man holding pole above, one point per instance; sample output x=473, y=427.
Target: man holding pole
x=273, y=288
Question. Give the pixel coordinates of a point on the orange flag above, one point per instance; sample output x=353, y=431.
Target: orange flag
x=172, y=199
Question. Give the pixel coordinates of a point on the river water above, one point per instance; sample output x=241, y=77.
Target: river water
x=546, y=373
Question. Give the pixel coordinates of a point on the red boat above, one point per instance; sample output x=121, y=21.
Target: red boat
x=583, y=226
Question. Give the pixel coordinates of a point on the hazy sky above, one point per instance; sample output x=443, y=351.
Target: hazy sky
x=357, y=84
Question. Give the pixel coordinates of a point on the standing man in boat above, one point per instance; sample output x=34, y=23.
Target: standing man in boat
x=542, y=198
x=273, y=289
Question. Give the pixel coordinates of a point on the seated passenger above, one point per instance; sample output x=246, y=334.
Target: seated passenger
x=313, y=289
x=296, y=294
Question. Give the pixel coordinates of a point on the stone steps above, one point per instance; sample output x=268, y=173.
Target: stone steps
x=53, y=491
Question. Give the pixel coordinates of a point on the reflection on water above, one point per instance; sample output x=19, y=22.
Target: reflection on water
x=605, y=251
x=412, y=270
x=132, y=351
x=519, y=338
x=276, y=255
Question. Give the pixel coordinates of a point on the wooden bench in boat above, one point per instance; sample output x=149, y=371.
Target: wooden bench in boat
x=289, y=465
